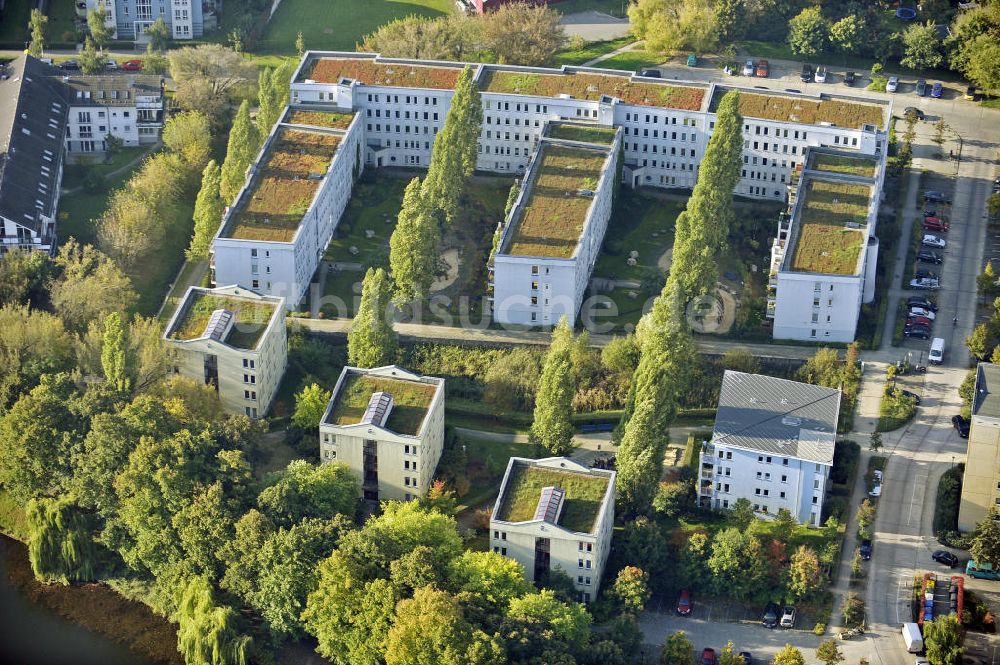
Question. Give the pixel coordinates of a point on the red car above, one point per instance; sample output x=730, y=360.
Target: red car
x=684, y=602
x=708, y=657
x=935, y=224
x=763, y=69
x=919, y=321
x=131, y=65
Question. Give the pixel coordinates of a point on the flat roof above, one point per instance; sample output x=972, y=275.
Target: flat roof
x=370, y=72
x=289, y=172
x=578, y=131
x=804, y=109
x=251, y=317
x=829, y=230
x=858, y=165
x=986, y=402
x=593, y=86
x=549, y=220
x=411, y=400
x=584, y=495
x=312, y=118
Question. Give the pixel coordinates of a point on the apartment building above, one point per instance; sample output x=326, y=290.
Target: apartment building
x=33, y=116
x=273, y=236
x=555, y=514
x=981, y=482
x=387, y=425
x=825, y=254
x=772, y=444
x=84, y=7
x=185, y=18
x=553, y=234
x=233, y=339
x=130, y=107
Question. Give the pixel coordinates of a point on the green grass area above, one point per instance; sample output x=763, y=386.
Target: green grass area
x=895, y=410
x=250, y=318
x=633, y=60
x=581, y=505
x=824, y=243
x=62, y=21
x=79, y=210
x=75, y=174
x=587, y=134
x=591, y=50
x=410, y=401
x=616, y=8
x=14, y=21
x=859, y=166
x=640, y=223
x=338, y=26
x=179, y=288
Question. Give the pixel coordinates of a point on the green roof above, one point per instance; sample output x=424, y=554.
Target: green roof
x=411, y=399
x=583, y=133
x=831, y=223
x=581, y=506
x=251, y=318
x=862, y=165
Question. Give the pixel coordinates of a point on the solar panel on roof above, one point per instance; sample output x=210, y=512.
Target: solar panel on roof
x=550, y=503
x=377, y=411
x=218, y=324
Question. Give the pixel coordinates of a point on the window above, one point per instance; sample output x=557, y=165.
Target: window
x=255, y=283
x=815, y=499
x=784, y=479
x=579, y=563
x=785, y=461
x=782, y=495
x=768, y=460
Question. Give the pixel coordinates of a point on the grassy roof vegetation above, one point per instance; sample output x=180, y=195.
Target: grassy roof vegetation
x=825, y=244
x=553, y=216
x=410, y=401
x=593, y=86
x=331, y=70
x=331, y=119
x=584, y=494
x=863, y=166
x=251, y=318
x=796, y=108
x=572, y=132
x=282, y=190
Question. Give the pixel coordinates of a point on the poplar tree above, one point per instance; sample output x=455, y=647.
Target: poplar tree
x=208, y=209
x=114, y=353
x=37, y=24
x=243, y=143
x=372, y=341
x=268, y=98
x=414, y=247
x=552, y=426
x=97, y=23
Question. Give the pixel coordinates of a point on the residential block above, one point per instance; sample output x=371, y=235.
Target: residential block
x=130, y=107
x=981, y=481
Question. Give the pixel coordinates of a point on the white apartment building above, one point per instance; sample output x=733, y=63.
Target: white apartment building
x=772, y=444
x=83, y=7
x=981, y=481
x=553, y=234
x=234, y=340
x=275, y=233
x=387, y=425
x=555, y=514
x=130, y=107
x=825, y=254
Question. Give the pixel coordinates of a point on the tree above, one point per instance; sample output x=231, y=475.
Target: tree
x=240, y=152
x=829, y=653
x=60, y=548
x=672, y=499
x=675, y=24
x=808, y=32
x=922, y=47
x=32, y=343
x=983, y=66
x=569, y=621
x=740, y=360
x=300, y=44
x=372, y=341
x=522, y=34
x=92, y=61
x=784, y=524
x=730, y=20
x=414, y=247
x=847, y=35
x=939, y=129
x=677, y=649
x=985, y=546
x=207, y=633
x=303, y=490
x=856, y=569
x=97, y=23
x=208, y=209
x=993, y=205
x=631, y=587
x=189, y=135
x=208, y=77
x=865, y=518
x=159, y=34
x=421, y=37
x=979, y=342
x=310, y=403
x=943, y=640
x=23, y=273
x=804, y=575
x=986, y=281
x=36, y=24
x=268, y=97
x=788, y=655
x=203, y=527
x=552, y=426
x=875, y=442
x=741, y=514
x=155, y=62
x=114, y=354
x=853, y=611
x=88, y=287
x=495, y=578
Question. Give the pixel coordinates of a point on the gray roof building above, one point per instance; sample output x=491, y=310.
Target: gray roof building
x=116, y=90
x=777, y=417
x=987, y=399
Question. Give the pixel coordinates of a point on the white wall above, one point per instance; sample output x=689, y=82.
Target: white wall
x=836, y=315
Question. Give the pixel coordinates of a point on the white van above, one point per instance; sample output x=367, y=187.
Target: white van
x=936, y=354
x=912, y=638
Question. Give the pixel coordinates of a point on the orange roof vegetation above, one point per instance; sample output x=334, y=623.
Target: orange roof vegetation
x=331, y=119
x=809, y=111
x=593, y=86
x=331, y=70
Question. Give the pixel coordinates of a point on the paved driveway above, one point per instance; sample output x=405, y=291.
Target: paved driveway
x=595, y=26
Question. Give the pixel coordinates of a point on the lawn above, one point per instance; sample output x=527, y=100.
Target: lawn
x=634, y=221
x=593, y=86
x=339, y=26
x=633, y=60
x=410, y=402
x=859, y=166
x=251, y=319
x=824, y=243
x=62, y=21
x=587, y=134
x=75, y=173
x=581, y=505
x=809, y=111
x=14, y=23
x=591, y=50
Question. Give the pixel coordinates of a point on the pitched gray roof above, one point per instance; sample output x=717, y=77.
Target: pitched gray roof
x=987, y=399
x=777, y=417
x=111, y=90
x=33, y=110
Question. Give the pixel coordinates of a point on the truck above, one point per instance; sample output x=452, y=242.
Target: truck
x=936, y=354
x=912, y=638
x=983, y=571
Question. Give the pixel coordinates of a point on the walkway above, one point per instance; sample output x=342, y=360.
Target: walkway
x=595, y=26
x=608, y=56
x=110, y=175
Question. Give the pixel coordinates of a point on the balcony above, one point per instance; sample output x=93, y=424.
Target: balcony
x=705, y=488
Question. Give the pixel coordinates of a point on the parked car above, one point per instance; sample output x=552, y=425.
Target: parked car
x=650, y=73
x=932, y=196
x=933, y=241
x=936, y=224
x=923, y=273
x=913, y=111
x=69, y=65
x=807, y=74
x=927, y=256
x=111, y=65
x=692, y=60
x=763, y=69
x=917, y=332
x=892, y=84
x=788, y=617
x=970, y=93
x=961, y=426
x=747, y=658
x=821, y=74
x=912, y=395
x=708, y=656
x=877, y=485
x=919, y=321
x=927, y=283
x=850, y=78
x=920, y=311
x=770, y=618
x=920, y=301
x=921, y=88
x=937, y=90
x=731, y=69
x=866, y=549
x=945, y=557
x=793, y=90
x=132, y=65
x=684, y=605
x=748, y=68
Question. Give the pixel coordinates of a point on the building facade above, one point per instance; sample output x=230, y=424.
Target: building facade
x=83, y=7
x=387, y=425
x=129, y=107
x=981, y=481
x=555, y=514
x=185, y=18
x=772, y=444
x=234, y=340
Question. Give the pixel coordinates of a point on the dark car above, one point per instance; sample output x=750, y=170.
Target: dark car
x=651, y=73
x=927, y=256
x=930, y=212
x=917, y=332
x=866, y=549
x=970, y=93
x=914, y=396
x=920, y=301
x=913, y=111
x=684, y=602
x=807, y=74
x=945, y=557
x=921, y=88
x=771, y=615
x=708, y=656
x=747, y=658
x=937, y=90
x=932, y=196
x=797, y=92
x=961, y=425
x=850, y=78
x=69, y=65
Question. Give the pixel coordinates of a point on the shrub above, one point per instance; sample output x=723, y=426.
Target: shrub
x=949, y=492
x=819, y=629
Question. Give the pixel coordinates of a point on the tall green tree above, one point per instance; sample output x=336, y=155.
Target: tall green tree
x=922, y=47
x=23, y=273
x=677, y=649
x=808, y=32
x=114, y=354
x=310, y=403
x=414, y=247
x=92, y=60
x=804, y=576
x=303, y=490
x=208, y=208
x=36, y=25
x=847, y=35
x=159, y=34
x=829, y=653
x=268, y=98
x=372, y=341
x=986, y=540
x=552, y=426
x=943, y=640
x=97, y=23
x=244, y=140
x=60, y=547
x=631, y=587
x=208, y=634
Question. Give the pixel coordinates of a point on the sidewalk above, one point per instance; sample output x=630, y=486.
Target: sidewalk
x=843, y=584
x=608, y=56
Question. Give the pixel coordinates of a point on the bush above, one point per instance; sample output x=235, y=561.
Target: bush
x=949, y=493
x=835, y=506
x=895, y=409
x=845, y=461
x=819, y=629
